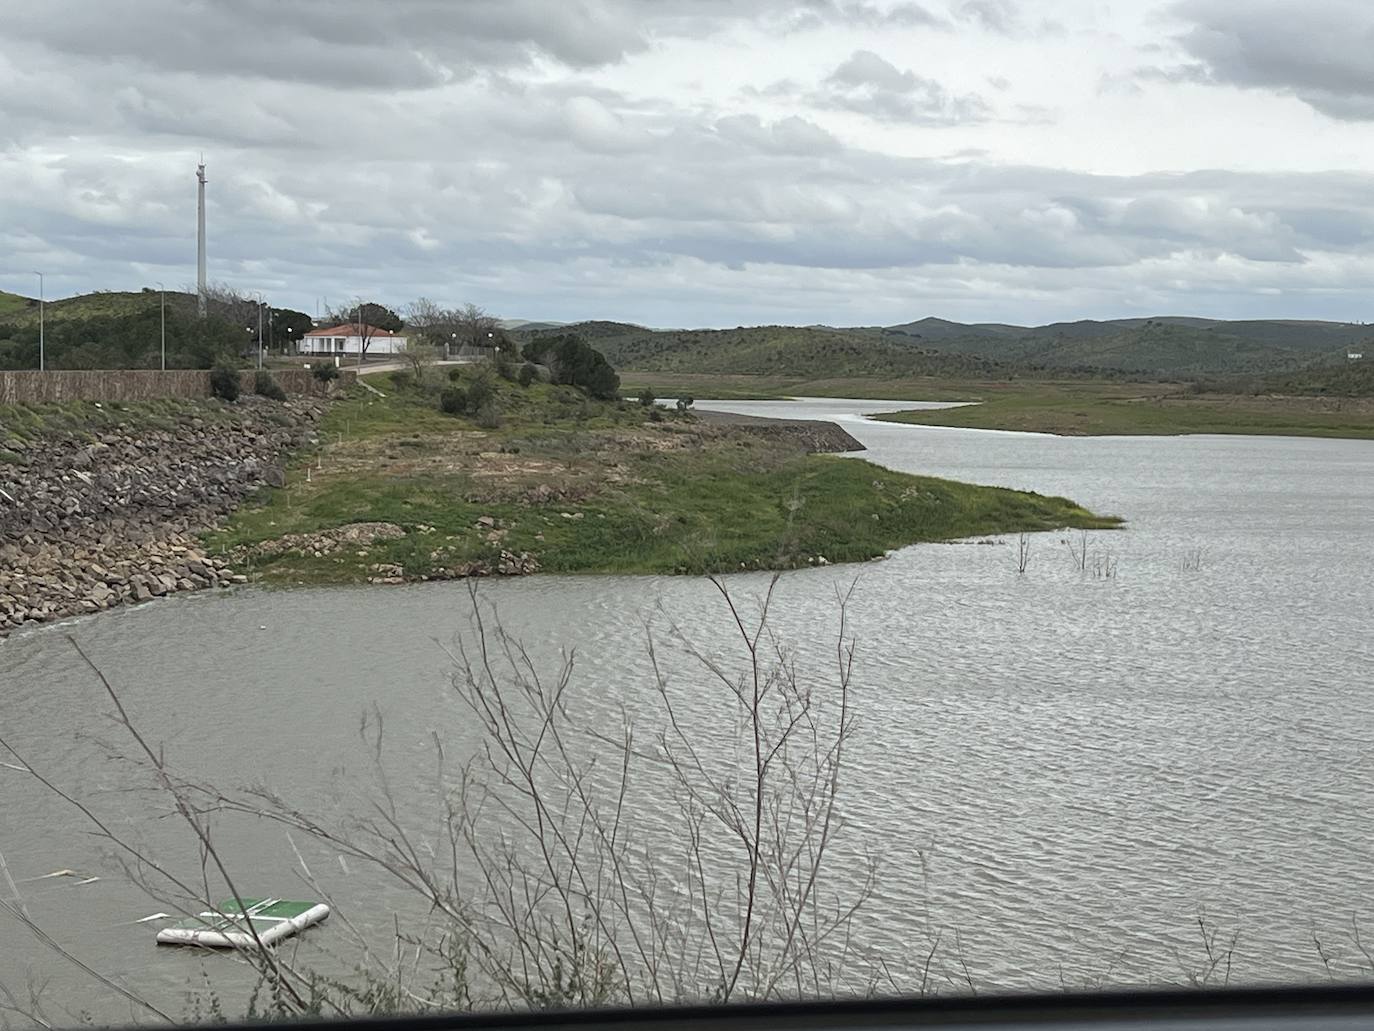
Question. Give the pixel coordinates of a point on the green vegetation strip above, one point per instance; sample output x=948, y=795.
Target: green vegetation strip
x=595, y=487
x=1064, y=407
x=1089, y=411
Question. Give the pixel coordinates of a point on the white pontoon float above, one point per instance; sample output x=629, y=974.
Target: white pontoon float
x=227, y=927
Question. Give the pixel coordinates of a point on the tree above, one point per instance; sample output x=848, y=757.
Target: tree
x=430, y=322
x=476, y=328
x=419, y=356
x=288, y=327
x=224, y=302
x=574, y=362
x=646, y=398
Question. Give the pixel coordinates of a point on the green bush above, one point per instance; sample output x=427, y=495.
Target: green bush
x=453, y=400
x=402, y=380
x=480, y=394
x=575, y=362
x=266, y=386
x=684, y=403
x=224, y=383
x=505, y=366
x=528, y=374
x=325, y=372
x=489, y=416
x=455, y=374
x=646, y=398
x=655, y=415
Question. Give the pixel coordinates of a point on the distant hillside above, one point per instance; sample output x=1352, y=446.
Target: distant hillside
x=527, y=326
x=1168, y=346
x=776, y=350
x=1348, y=379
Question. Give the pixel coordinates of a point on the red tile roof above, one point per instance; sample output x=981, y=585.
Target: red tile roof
x=345, y=329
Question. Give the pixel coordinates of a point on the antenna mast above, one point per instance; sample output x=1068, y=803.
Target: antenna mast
x=200, y=237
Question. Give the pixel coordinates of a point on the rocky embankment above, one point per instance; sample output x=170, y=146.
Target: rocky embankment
x=90, y=521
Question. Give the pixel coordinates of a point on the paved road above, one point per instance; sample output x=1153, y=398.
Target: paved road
x=368, y=370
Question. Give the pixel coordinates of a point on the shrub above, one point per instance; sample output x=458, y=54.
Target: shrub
x=684, y=403
x=453, y=400
x=505, y=366
x=224, y=382
x=266, y=386
x=489, y=416
x=655, y=415
x=528, y=374
x=646, y=398
x=325, y=372
x=455, y=374
x=480, y=394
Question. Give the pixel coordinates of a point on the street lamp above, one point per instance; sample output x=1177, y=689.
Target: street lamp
x=259, y=331
x=162, y=301
x=40, y=320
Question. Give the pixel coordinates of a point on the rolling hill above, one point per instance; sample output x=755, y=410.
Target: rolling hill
x=81, y=307
x=1168, y=346
x=1165, y=348
x=775, y=350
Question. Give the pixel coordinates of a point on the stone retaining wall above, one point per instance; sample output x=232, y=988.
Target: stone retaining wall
x=53, y=386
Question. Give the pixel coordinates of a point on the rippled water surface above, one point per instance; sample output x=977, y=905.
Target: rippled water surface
x=1060, y=771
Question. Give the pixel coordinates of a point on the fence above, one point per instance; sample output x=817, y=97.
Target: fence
x=33, y=387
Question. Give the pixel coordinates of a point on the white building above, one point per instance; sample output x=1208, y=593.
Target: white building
x=345, y=339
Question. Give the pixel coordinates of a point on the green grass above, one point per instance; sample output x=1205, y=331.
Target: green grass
x=32, y=422
x=634, y=496
x=1094, y=410
x=11, y=304
x=1063, y=407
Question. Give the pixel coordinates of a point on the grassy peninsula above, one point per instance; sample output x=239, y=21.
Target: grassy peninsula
x=570, y=484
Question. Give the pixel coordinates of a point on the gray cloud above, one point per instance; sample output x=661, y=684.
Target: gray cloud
x=1320, y=51
x=993, y=15
x=870, y=85
x=495, y=156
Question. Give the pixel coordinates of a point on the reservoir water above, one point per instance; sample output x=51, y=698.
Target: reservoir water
x=1063, y=769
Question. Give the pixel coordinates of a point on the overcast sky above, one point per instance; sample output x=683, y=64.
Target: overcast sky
x=702, y=162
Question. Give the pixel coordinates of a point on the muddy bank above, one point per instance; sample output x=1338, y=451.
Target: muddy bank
x=812, y=435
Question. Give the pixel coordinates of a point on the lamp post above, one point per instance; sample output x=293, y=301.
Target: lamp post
x=259, y=331
x=40, y=319
x=162, y=302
